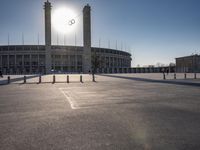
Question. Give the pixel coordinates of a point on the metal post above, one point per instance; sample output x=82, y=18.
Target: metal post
x=93, y=78
x=40, y=79
x=8, y=79
x=185, y=75
x=195, y=75
x=24, y=79
x=174, y=75
x=54, y=79
x=67, y=78
x=81, y=78
x=164, y=76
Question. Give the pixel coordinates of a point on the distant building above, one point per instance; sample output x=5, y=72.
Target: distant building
x=28, y=59
x=188, y=64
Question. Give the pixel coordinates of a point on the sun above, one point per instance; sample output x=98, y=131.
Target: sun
x=64, y=20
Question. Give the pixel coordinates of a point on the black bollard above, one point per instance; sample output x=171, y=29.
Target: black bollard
x=174, y=75
x=195, y=76
x=24, y=79
x=185, y=75
x=93, y=78
x=40, y=79
x=54, y=79
x=8, y=80
x=67, y=78
x=164, y=76
x=81, y=78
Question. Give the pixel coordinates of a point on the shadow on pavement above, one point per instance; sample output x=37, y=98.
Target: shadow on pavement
x=154, y=81
x=4, y=82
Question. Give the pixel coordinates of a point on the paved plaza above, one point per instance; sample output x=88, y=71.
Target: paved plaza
x=117, y=112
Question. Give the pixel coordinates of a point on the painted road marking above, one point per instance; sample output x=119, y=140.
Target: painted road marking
x=80, y=98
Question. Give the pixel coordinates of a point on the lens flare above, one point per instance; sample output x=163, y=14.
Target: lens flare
x=63, y=20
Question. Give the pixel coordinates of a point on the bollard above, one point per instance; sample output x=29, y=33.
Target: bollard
x=174, y=75
x=54, y=79
x=40, y=79
x=185, y=76
x=67, y=78
x=81, y=78
x=195, y=76
x=93, y=78
x=164, y=76
x=8, y=79
x=24, y=79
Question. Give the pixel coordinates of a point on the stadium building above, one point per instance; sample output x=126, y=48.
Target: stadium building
x=188, y=64
x=31, y=59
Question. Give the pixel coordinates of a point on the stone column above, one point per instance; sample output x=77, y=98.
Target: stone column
x=62, y=63
x=87, y=64
x=76, y=60
x=47, y=8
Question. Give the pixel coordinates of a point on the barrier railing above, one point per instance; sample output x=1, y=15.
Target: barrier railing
x=184, y=76
x=90, y=78
x=52, y=79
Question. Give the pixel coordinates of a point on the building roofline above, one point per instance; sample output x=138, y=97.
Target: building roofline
x=63, y=46
x=188, y=56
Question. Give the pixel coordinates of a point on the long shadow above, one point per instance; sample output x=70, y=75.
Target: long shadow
x=4, y=82
x=154, y=81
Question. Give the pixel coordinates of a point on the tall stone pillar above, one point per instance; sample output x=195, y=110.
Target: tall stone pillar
x=87, y=66
x=47, y=8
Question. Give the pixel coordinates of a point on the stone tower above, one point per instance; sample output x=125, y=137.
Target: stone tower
x=87, y=39
x=47, y=8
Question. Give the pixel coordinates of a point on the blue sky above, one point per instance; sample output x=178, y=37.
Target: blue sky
x=152, y=30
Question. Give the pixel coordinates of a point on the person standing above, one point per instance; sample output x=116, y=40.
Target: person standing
x=1, y=75
x=167, y=71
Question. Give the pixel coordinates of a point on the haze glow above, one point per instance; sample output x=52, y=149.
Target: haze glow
x=61, y=18
x=151, y=30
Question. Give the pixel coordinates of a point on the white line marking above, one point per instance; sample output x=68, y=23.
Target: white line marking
x=72, y=100
x=72, y=103
x=68, y=99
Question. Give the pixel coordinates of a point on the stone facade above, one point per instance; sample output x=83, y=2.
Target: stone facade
x=30, y=59
x=188, y=64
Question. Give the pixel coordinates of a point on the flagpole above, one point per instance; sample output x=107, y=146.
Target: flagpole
x=57, y=38
x=38, y=39
x=75, y=39
x=64, y=39
x=99, y=42
x=23, y=39
x=8, y=39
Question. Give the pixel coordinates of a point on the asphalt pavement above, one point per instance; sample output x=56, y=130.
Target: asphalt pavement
x=117, y=112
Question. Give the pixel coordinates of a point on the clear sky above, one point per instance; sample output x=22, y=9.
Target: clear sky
x=152, y=30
